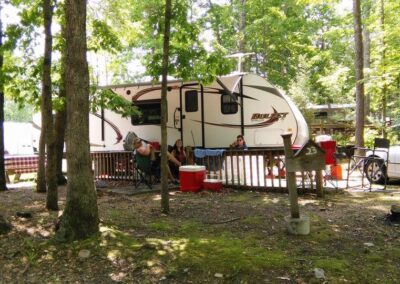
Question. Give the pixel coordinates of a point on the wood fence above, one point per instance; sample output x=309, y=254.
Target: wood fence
x=262, y=169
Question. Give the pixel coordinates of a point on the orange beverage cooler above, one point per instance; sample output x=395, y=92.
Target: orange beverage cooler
x=192, y=177
x=336, y=172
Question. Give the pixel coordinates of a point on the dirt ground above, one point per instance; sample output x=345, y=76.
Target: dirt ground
x=227, y=237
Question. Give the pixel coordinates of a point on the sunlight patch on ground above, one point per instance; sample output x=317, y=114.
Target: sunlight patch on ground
x=113, y=255
x=384, y=209
x=157, y=197
x=269, y=200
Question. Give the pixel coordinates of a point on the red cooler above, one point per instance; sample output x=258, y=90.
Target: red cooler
x=212, y=182
x=192, y=177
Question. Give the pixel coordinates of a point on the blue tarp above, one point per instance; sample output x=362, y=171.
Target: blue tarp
x=201, y=153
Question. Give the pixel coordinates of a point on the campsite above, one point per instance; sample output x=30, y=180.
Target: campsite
x=227, y=237
x=207, y=141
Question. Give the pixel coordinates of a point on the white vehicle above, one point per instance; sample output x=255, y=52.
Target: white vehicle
x=203, y=116
x=375, y=169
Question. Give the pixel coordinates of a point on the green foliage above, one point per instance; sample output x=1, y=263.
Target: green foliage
x=103, y=38
x=188, y=56
x=109, y=100
x=14, y=112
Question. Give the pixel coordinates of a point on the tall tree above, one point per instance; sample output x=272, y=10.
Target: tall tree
x=358, y=66
x=80, y=218
x=51, y=178
x=383, y=63
x=3, y=184
x=367, y=51
x=164, y=110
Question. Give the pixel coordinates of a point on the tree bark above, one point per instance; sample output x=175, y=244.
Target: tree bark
x=367, y=55
x=164, y=141
x=52, y=194
x=359, y=75
x=61, y=117
x=242, y=27
x=3, y=183
x=383, y=59
x=80, y=217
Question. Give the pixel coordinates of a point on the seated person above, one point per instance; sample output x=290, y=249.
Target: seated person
x=178, y=152
x=239, y=144
x=147, y=150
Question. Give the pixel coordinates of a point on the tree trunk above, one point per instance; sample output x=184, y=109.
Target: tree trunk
x=52, y=194
x=383, y=59
x=242, y=27
x=3, y=183
x=164, y=141
x=358, y=64
x=61, y=117
x=367, y=55
x=80, y=217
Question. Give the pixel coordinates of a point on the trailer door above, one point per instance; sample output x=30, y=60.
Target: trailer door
x=192, y=117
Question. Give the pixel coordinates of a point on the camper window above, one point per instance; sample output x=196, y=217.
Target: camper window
x=228, y=105
x=191, y=101
x=150, y=112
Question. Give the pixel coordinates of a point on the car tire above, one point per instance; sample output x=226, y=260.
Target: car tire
x=375, y=171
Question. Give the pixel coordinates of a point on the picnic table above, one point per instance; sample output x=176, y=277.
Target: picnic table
x=20, y=164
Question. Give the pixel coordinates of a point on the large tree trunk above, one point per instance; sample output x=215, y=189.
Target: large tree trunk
x=3, y=183
x=358, y=64
x=52, y=194
x=164, y=142
x=80, y=217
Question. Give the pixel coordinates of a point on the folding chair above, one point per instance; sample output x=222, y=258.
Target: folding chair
x=372, y=164
x=146, y=171
x=331, y=172
x=377, y=163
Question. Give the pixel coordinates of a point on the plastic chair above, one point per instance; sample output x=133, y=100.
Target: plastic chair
x=147, y=171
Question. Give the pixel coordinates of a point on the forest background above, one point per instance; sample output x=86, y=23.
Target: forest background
x=304, y=47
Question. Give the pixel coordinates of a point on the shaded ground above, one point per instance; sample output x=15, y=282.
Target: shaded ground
x=227, y=237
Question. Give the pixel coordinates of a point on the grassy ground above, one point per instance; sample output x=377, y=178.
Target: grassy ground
x=227, y=237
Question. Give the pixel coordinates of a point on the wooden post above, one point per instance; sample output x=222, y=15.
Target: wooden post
x=291, y=177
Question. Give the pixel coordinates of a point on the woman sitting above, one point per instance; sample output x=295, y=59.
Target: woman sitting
x=178, y=152
x=147, y=150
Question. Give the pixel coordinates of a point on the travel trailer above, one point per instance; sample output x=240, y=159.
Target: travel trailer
x=20, y=138
x=208, y=116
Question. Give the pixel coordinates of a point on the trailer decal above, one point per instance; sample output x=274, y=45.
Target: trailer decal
x=148, y=90
x=274, y=117
x=113, y=126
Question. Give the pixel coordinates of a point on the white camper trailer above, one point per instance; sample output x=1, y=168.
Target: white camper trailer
x=203, y=116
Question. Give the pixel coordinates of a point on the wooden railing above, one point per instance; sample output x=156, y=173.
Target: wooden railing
x=113, y=165
x=262, y=169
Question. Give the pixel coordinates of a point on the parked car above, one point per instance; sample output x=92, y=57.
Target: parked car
x=375, y=168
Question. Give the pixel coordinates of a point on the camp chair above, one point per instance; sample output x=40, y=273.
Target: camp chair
x=377, y=163
x=146, y=171
x=372, y=164
x=331, y=171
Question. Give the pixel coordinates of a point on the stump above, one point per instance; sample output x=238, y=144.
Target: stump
x=395, y=213
x=5, y=226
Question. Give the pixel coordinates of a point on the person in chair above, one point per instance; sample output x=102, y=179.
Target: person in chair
x=239, y=144
x=147, y=150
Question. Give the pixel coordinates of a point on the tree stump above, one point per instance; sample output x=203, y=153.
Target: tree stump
x=5, y=226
